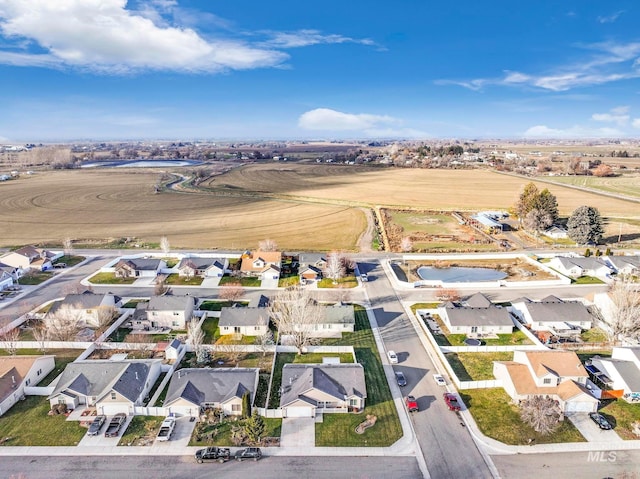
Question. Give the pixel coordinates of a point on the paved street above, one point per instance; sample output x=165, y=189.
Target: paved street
x=448, y=449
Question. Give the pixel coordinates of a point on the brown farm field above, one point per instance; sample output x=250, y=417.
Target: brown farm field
x=301, y=206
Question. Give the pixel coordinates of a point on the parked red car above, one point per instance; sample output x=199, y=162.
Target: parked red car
x=452, y=401
x=412, y=403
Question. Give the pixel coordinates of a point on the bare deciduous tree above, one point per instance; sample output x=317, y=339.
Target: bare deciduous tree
x=195, y=336
x=231, y=292
x=75, y=288
x=537, y=220
x=104, y=316
x=164, y=245
x=625, y=320
x=65, y=323
x=67, y=246
x=10, y=339
x=41, y=335
x=296, y=314
x=542, y=413
x=160, y=288
x=267, y=245
x=448, y=294
x=335, y=269
x=266, y=338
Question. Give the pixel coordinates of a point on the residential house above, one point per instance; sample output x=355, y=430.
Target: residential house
x=167, y=311
x=245, y=321
x=311, y=267
x=12, y=271
x=619, y=372
x=561, y=318
x=338, y=318
x=193, y=389
x=476, y=316
x=110, y=386
x=18, y=372
x=262, y=264
x=556, y=232
x=139, y=267
x=6, y=280
x=30, y=257
x=308, y=389
x=90, y=308
x=558, y=374
x=203, y=267
x=625, y=265
x=575, y=267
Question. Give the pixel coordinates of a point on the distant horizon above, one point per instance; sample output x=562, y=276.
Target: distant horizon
x=106, y=70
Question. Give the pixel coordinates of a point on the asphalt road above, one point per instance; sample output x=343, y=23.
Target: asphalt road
x=583, y=465
x=171, y=467
x=448, y=449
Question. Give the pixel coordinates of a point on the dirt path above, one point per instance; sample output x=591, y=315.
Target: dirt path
x=366, y=238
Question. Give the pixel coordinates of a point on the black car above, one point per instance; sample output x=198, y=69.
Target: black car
x=249, y=453
x=600, y=420
x=96, y=425
x=400, y=379
x=220, y=454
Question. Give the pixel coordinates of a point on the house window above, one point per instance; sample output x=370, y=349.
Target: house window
x=236, y=407
x=474, y=329
x=154, y=313
x=176, y=314
x=354, y=402
x=256, y=328
x=39, y=372
x=27, y=382
x=546, y=381
x=113, y=396
x=175, y=324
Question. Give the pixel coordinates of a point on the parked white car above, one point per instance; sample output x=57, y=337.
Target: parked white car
x=393, y=357
x=439, y=379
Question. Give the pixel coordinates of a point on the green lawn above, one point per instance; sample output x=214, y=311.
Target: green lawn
x=417, y=306
x=476, y=366
x=587, y=280
x=246, y=282
x=70, y=260
x=339, y=429
x=219, y=434
x=27, y=424
x=211, y=330
x=499, y=419
x=218, y=305
x=61, y=362
x=110, y=278
x=142, y=431
x=623, y=415
x=171, y=261
x=33, y=278
x=594, y=335
x=346, y=282
x=177, y=280
x=288, y=281
x=132, y=303
x=514, y=339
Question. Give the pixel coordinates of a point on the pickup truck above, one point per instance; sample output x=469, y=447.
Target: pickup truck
x=166, y=429
x=220, y=454
x=115, y=424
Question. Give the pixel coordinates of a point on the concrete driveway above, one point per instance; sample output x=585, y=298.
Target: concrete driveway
x=101, y=441
x=590, y=429
x=269, y=283
x=179, y=438
x=298, y=432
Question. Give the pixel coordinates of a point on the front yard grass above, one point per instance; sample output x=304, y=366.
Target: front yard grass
x=219, y=434
x=142, y=431
x=338, y=430
x=288, y=281
x=624, y=415
x=218, y=305
x=71, y=260
x=246, y=282
x=27, y=424
x=588, y=280
x=499, y=419
x=476, y=366
x=346, y=282
x=110, y=278
x=34, y=278
x=177, y=280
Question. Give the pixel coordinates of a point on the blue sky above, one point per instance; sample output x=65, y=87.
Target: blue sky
x=246, y=69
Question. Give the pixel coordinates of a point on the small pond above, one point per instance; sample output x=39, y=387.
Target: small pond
x=139, y=163
x=457, y=274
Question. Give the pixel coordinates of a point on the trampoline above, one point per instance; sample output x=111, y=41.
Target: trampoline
x=472, y=342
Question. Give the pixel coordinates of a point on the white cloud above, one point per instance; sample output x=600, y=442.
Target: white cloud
x=303, y=38
x=609, y=62
x=332, y=120
x=610, y=18
x=103, y=35
x=577, y=131
x=619, y=115
x=636, y=123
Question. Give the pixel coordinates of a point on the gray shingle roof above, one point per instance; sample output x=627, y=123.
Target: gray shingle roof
x=624, y=261
x=170, y=303
x=86, y=300
x=207, y=385
x=589, y=263
x=557, y=311
x=627, y=369
x=478, y=300
x=144, y=264
x=199, y=262
x=491, y=316
x=242, y=316
x=98, y=377
x=337, y=380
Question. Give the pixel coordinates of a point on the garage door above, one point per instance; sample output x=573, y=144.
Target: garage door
x=580, y=406
x=302, y=411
